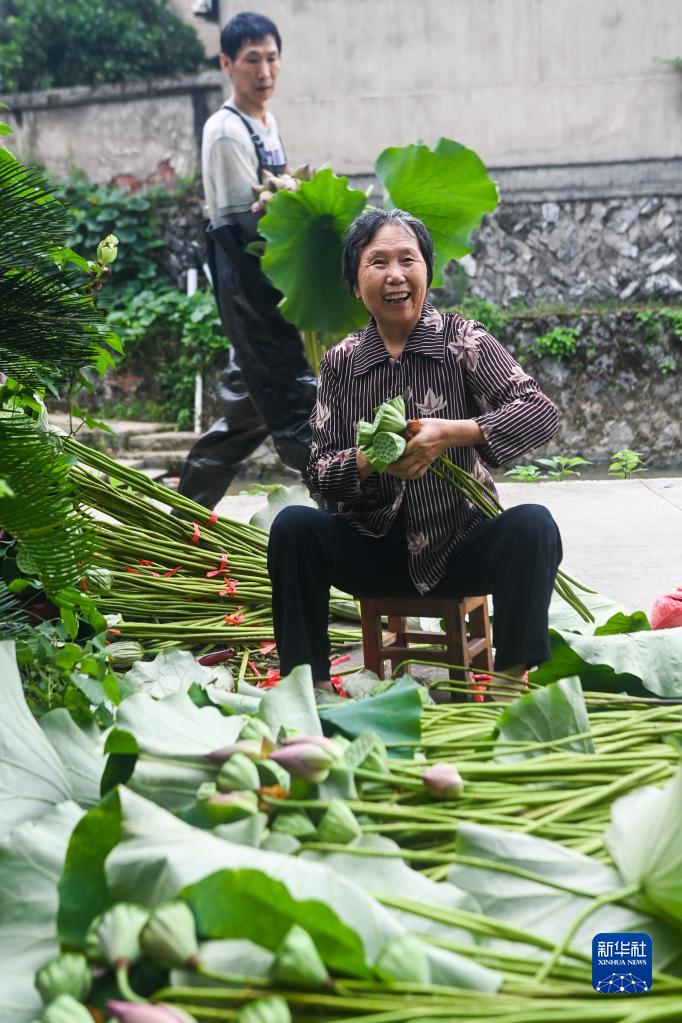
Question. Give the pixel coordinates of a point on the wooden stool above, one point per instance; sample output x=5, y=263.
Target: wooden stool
x=466, y=637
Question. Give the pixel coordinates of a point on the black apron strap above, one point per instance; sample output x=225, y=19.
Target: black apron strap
x=253, y=135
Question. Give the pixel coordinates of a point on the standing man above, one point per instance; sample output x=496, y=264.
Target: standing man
x=268, y=388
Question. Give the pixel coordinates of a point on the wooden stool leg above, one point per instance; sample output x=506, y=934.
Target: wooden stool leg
x=479, y=627
x=456, y=639
x=372, y=640
x=398, y=626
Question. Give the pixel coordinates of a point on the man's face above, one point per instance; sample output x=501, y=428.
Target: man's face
x=254, y=70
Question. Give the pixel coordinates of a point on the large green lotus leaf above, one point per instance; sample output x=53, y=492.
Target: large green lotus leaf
x=645, y=841
x=32, y=777
x=536, y=907
x=229, y=955
x=447, y=187
x=638, y=663
x=81, y=750
x=395, y=715
x=381, y=875
x=159, y=856
x=31, y=859
x=554, y=712
x=175, y=671
x=304, y=230
x=172, y=737
x=291, y=703
x=564, y=618
x=83, y=889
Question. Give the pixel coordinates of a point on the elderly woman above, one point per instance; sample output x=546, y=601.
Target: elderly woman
x=407, y=531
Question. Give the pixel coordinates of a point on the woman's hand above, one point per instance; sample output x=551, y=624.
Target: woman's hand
x=434, y=437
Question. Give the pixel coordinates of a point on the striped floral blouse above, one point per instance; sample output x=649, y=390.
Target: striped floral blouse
x=451, y=368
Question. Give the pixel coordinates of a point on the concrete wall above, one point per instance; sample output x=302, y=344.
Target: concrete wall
x=523, y=82
x=130, y=129
x=527, y=83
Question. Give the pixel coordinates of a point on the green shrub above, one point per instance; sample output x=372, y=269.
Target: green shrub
x=44, y=45
x=491, y=316
x=560, y=341
x=184, y=333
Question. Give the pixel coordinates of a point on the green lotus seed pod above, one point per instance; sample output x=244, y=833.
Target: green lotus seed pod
x=377, y=758
x=66, y=974
x=169, y=937
x=390, y=417
x=239, y=774
x=206, y=790
x=271, y=773
x=265, y=1010
x=297, y=962
x=338, y=824
x=114, y=936
x=364, y=433
x=65, y=1009
x=404, y=959
x=293, y=822
x=256, y=729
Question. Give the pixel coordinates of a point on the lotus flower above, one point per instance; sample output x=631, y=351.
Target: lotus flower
x=317, y=740
x=251, y=748
x=306, y=760
x=136, y=1012
x=443, y=781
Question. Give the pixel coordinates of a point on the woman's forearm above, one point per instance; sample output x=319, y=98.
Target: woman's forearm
x=462, y=433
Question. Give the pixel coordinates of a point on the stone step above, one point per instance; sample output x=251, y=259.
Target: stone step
x=123, y=431
x=162, y=440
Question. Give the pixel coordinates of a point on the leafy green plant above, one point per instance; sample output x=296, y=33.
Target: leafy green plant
x=185, y=330
x=491, y=316
x=447, y=187
x=667, y=366
x=624, y=463
x=525, y=474
x=57, y=672
x=42, y=43
x=560, y=341
x=560, y=467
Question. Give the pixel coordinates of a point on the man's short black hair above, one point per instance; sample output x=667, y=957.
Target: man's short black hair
x=244, y=27
x=363, y=229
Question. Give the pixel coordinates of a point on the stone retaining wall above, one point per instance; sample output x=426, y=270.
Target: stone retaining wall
x=619, y=389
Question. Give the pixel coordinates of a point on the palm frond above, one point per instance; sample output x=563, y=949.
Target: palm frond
x=33, y=220
x=43, y=514
x=46, y=326
x=13, y=621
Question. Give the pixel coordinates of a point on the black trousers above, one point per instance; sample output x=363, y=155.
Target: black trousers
x=514, y=557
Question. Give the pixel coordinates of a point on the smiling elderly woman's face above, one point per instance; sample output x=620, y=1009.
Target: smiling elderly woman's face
x=392, y=277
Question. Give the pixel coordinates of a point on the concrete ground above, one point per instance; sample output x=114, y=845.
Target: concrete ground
x=621, y=537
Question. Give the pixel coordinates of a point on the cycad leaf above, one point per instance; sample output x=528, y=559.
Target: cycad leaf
x=42, y=515
x=304, y=230
x=32, y=219
x=48, y=325
x=448, y=188
x=13, y=622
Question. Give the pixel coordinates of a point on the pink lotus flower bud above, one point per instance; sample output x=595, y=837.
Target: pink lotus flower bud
x=305, y=760
x=136, y=1012
x=317, y=740
x=251, y=748
x=443, y=781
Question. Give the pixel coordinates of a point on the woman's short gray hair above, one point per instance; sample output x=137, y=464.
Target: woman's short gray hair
x=363, y=229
